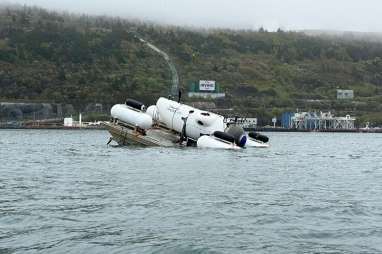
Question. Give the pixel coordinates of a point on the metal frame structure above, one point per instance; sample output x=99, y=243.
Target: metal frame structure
x=323, y=121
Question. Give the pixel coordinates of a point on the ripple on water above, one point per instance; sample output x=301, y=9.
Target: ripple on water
x=67, y=192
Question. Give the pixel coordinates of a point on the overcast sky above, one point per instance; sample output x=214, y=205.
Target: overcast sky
x=346, y=15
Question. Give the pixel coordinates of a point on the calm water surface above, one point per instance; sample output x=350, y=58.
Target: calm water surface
x=67, y=192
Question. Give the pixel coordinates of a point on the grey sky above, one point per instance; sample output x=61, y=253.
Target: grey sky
x=349, y=15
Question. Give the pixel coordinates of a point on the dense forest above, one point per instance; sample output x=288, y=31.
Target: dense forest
x=65, y=58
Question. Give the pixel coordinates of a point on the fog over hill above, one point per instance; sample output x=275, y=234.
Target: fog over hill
x=347, y=35
x=342, y=15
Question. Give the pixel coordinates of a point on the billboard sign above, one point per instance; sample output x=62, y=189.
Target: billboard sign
x=207, y=85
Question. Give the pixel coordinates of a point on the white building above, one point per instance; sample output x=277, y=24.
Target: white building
x=68, y=122
x=244, y=122
x=345, y=94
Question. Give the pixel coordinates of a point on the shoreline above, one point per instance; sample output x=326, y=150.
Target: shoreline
x=52, y=128
x=357, y=130
x=260, y=129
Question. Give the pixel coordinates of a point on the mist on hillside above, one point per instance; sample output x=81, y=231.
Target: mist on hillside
x=330, y=34
x=340, y=15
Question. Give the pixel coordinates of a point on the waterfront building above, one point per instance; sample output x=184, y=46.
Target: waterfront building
x=321, y=121
x=286, y=119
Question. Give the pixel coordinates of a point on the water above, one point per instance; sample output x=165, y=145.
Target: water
x=67, y=192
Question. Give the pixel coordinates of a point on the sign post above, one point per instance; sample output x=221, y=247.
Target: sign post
x=274, y=121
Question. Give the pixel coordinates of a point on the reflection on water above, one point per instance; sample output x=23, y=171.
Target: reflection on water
x=67, y=192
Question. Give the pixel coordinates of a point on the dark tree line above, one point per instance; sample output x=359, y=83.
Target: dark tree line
x=82, y=59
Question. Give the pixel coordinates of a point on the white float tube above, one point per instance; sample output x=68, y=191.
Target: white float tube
x=152, y=111
x=257, y=140
x=254, y=143
x=172, y=113
x=131, y=116
x=202, y=123
x=213, y=142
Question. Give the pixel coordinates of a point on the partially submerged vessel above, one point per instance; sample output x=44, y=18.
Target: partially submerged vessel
x=170, y=123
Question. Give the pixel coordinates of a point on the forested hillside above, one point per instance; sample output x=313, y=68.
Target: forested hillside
x=47, y=56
